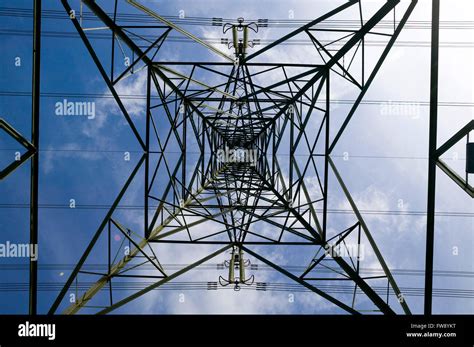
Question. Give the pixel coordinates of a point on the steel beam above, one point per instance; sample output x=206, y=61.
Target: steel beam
x=30, y=149
x=433, y=134
x=365, y=29
x=177, y=28
x=35, y=133
x=102, y=226
x=161, y=282
x=371, y=239
x=303, y=28
x=374, y=73
x=461, y=182
x=455, y=139
x=302, y=282
x=104, y=74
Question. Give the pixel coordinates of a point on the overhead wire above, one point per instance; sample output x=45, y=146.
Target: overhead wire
x=330, y=211
x=217, y=40
x=258, y=286
x=16, y=12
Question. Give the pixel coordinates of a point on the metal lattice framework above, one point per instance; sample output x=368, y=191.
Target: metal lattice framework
x=226, y=103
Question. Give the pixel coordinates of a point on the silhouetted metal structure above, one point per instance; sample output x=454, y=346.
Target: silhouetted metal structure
x=435, y=160
x=31, y=153
x=241, y=116
x=278, y=138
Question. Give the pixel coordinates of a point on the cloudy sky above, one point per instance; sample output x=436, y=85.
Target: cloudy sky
x=382, y=157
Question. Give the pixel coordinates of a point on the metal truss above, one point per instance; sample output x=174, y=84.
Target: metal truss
x=196, y=109
x=435, y=160
x=32, y=152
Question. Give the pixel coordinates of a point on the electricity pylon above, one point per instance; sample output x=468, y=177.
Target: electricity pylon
x=264, y=133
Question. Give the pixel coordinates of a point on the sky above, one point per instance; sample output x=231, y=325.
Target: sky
x=381, y=156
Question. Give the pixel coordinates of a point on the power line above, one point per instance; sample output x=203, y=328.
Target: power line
x=259, y=286
x=334, y=101
x=253, y=267
x=121, y=151
x=217, y=40
x=214, y=21
x=331, y=211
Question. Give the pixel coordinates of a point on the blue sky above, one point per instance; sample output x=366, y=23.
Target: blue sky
x=83, y=160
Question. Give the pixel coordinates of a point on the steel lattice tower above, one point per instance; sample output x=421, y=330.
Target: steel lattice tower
x=221, y=105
